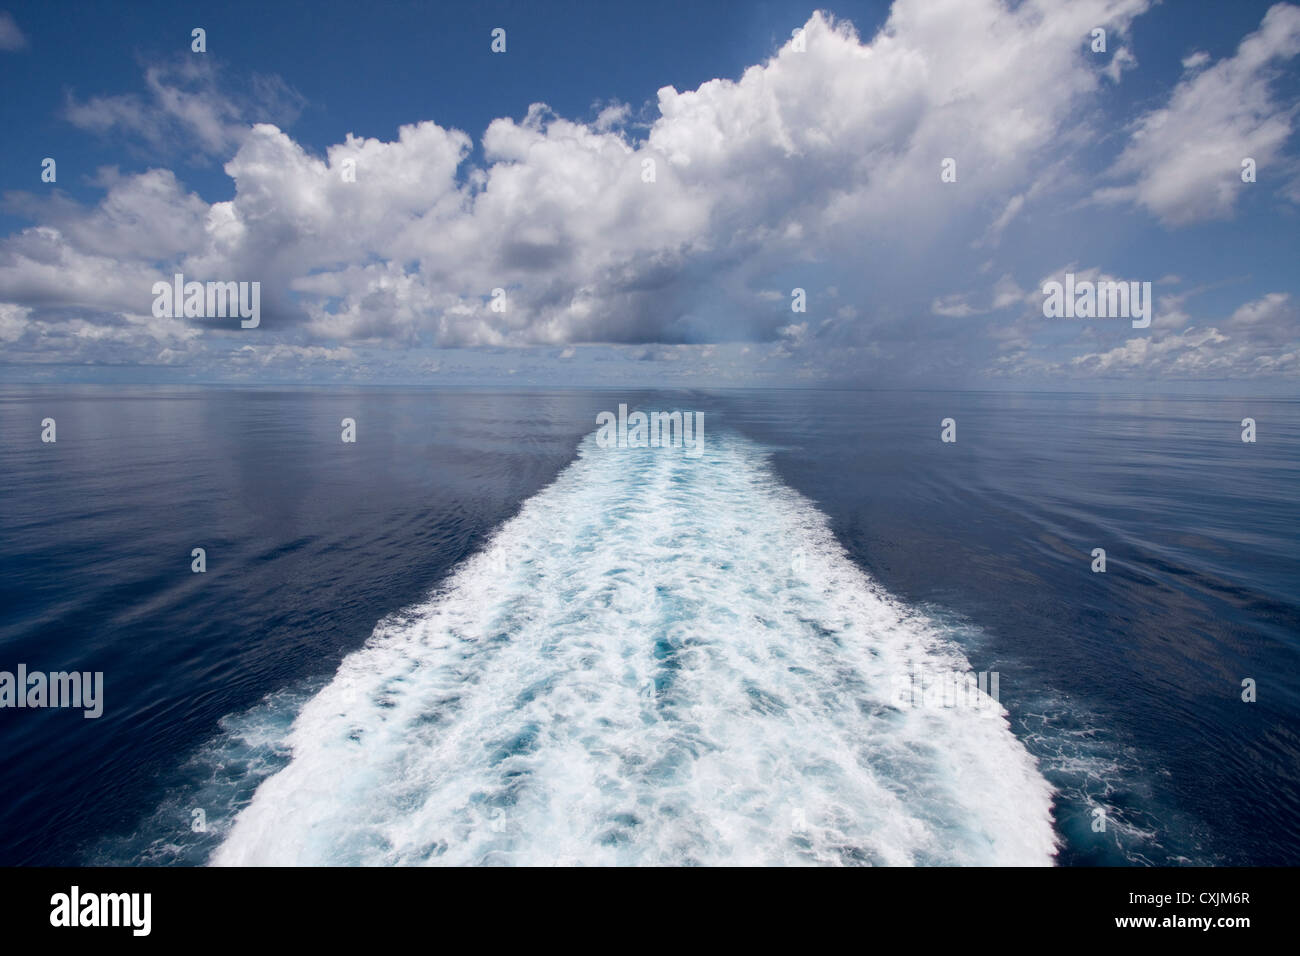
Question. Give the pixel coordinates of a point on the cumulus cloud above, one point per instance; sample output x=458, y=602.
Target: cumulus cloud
x=1271, y=309
x=1197, y=350
x=291, y=354
x=664, y=231
x=1269, y=322
x=1260, y=337
x=13, y=322
x=1184, y=159
x=595, y=234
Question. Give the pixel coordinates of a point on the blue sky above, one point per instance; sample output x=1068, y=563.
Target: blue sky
x=776, y=168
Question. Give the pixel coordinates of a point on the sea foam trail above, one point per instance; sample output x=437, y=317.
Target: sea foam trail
x=634, y=671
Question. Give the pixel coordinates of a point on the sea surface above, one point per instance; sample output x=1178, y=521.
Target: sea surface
x=476, y=636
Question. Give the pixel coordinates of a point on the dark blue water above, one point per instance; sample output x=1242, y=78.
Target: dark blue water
x=1126, y=686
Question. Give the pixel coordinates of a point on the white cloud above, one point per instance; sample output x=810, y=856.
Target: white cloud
x=1009, y=212
x=1197, y=350
x=187, y=102
x=1184, y=159
x=1261, y=337
x=1274, y=307
x=12, y=38
x=291, y=354
x=13, y=321
x=953, y=306
x=795, y=168
x=1122, y=60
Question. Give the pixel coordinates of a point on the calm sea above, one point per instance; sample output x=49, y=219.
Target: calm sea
x=476, y=636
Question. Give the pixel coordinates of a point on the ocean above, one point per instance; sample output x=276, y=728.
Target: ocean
x=476, y=636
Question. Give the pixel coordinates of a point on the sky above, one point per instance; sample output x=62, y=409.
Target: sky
x=631, y=194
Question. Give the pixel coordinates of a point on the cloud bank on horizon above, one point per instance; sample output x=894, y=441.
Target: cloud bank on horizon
x=919, y=186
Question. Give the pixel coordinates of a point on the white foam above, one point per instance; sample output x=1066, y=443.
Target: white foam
x=507, y=720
